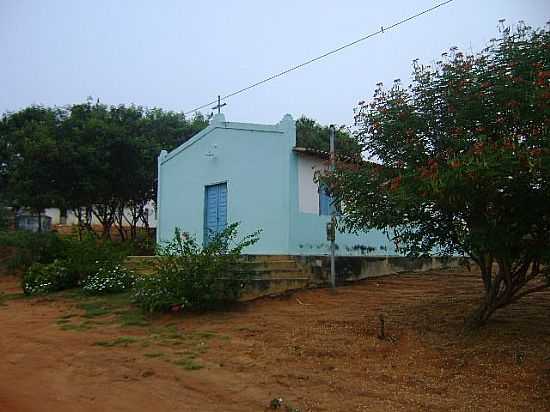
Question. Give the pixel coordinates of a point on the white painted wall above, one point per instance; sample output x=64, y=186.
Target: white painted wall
x=308, y=193
x=55, y=215
x=308, y=228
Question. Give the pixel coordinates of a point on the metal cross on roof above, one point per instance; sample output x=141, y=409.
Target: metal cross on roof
x=219, y=105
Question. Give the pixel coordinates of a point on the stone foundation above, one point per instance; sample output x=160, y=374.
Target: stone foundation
x=358, y=268
x=278, y=274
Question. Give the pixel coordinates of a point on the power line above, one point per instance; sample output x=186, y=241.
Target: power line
x=345, y=46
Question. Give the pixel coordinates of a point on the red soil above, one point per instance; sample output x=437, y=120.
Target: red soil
x=315, y=349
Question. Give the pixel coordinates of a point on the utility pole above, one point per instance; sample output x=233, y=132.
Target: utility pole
x=332, y=214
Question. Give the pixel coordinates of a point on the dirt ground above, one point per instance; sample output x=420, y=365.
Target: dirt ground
x=316, y=350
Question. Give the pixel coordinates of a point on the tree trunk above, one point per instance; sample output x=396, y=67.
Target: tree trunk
x=137, y=214
x=78, y=214
x=84, y=217
x=119, y=222
x=504, y=287
x=482, y=314
x=105, y=214
x=63, y=216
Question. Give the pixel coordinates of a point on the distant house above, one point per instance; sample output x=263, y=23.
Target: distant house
x=253, y=174
x=25, y=220
x=68, y=217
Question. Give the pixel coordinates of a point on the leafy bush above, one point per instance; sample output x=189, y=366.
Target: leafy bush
x=84, y=257
x=4, y=216
x=143, y=246
x=53, y=263
x=87, y=256
x=196, y=277
x=160, y=293
x=32, y=247
x=46, y=278
x=114, y=279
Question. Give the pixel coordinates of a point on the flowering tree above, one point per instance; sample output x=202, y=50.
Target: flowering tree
x=465, y=163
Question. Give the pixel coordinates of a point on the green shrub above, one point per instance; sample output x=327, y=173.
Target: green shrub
x=46, y=278
x=159, y=293
x=143, y=246
x=196, y=277
x=33, y=247
x=114, y=279
x=87, y=256
x=84, y=257
x=4, y=216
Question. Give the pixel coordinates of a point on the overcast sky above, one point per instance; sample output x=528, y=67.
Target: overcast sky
x=178, y=55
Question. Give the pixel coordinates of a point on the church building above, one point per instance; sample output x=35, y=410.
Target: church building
x=255, y=175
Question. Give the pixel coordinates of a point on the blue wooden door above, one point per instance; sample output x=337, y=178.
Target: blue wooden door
x=215, y=210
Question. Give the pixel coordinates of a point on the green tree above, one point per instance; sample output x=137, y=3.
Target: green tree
x=113, y=160
x=465, y=164
x=311, y=134
x=95, y=159
x=29, y=169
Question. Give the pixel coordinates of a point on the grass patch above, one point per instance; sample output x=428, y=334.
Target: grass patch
x=94, y=310
x=188, y=364
x=116, y=304
x=117, y=300
x=6, y=297
x=132, y=318
x=78, y=327
x=62, y=321
x=195, y=342
x=204, y=335
x=121, y=341
x=188, y=354
x=168, y=335
x=170, y=331
x=174, y=336
x=75, y=294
